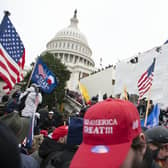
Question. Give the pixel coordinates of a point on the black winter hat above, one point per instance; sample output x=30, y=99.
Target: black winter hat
x=157, y=134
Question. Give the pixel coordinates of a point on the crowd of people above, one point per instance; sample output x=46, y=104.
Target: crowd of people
x=104, y=134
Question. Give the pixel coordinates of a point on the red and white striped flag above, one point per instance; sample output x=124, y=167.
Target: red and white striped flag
x=12, y=54
x=145, y=81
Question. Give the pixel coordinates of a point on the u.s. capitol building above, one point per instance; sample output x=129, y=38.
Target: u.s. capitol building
x=71, y=47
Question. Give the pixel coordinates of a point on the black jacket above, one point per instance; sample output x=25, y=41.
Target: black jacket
x=47, y=123
x=55, y=154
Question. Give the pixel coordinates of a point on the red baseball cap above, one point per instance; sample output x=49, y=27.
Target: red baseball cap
x=108, y=131
x=59, y=132
x=44, y=132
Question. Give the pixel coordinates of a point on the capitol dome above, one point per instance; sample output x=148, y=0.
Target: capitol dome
x=71, y=47
x=71, y=32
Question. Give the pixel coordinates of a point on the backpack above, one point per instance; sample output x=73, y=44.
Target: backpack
x=21, y=104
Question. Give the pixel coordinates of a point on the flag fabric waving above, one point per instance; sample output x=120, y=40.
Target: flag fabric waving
x=153, y=118
x=145, y=81
x=12, y=55
x=84, y=92
x=45, y=78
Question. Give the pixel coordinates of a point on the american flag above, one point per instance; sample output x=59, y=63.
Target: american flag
x=145, y=81
x=12, y=54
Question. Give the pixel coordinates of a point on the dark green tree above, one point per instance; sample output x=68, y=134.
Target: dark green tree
x=62, y=74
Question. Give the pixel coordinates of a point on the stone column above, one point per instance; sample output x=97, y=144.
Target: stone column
x=63, y=57
x=68, y=58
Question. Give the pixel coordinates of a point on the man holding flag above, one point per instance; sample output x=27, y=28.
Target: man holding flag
x=33, y=99
x=12, y=54
x=42, y=79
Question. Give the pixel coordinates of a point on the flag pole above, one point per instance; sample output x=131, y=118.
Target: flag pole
x=28, y=83
x=125, y=92
x=147, y=108
x=7, y=13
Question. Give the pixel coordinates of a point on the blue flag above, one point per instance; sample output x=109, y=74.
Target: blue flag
x=75, y=131
x=45, y=78
x=153, y=118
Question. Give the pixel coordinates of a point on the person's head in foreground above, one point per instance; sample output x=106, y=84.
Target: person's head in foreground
x=157, y=139
x=9, y=151
x=112, y=137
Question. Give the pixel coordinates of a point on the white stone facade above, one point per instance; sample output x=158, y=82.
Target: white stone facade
x=101, y=82
x=127, y=74
x=71, y=47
